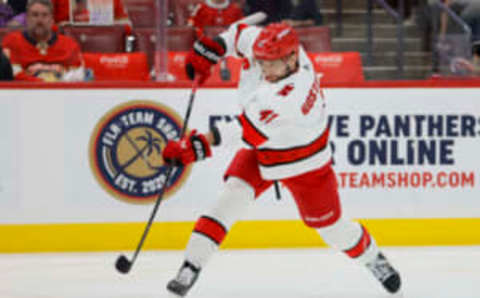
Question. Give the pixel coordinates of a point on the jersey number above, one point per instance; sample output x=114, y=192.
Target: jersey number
x=267, y=116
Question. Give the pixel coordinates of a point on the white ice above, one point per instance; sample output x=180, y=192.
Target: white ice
x=427, y=272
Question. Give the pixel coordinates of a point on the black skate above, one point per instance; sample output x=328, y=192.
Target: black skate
x=186, y=277
x=385, y=273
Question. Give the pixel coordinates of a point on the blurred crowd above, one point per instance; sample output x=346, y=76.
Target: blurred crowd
x=39, y=43
x=469, y=12
x=38, y=50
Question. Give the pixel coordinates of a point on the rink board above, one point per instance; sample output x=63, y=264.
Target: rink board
x=250, y=234
x=406, y=159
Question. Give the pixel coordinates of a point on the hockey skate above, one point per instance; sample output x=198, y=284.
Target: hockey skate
x=385, y=273
x=185, y=279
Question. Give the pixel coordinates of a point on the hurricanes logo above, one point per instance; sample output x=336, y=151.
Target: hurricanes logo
x=126, y=151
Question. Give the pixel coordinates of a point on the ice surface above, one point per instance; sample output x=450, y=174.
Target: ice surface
x=427, y=272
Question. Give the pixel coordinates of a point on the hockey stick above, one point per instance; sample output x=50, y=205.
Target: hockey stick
x=253, y=19
x=123, y=264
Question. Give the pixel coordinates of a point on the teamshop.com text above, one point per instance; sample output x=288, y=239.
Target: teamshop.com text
x=451, y=179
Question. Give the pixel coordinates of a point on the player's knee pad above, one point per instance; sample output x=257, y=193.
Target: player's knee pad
x=234, y=201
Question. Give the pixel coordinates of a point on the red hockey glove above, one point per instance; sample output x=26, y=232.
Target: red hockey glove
x=206, y=52
x=191, y=148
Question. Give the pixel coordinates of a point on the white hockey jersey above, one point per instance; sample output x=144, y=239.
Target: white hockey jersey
x=286, y=121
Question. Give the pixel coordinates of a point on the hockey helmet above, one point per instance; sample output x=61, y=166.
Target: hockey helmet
x=275, y=41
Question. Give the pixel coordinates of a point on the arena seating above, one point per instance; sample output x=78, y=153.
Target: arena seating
x=336, y=67
x=315, y=39
x=97, y=39
x=117, y=66
x=332, y=67
x=141, y=12
x=178, y=39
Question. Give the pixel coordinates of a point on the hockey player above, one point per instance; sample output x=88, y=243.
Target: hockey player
x=284, y=123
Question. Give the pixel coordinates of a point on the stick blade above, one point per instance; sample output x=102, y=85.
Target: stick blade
x=123, y=265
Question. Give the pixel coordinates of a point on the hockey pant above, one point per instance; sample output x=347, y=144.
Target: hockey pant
x=316, y=197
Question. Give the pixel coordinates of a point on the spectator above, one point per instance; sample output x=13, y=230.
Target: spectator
x=6, y=73
x=303, y=13
x=429, y=18
x=39, y=53
x=82, y=14
x=462, y=66
x=215, y=13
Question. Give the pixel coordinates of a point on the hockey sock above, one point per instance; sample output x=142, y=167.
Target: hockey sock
x=351, y=238
x=212, y=228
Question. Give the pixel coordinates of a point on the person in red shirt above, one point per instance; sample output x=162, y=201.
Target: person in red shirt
x=39, y=53
x=215, y=13
x=81, y=13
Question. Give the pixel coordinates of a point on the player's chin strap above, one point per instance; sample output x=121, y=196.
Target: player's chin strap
x=277, y=190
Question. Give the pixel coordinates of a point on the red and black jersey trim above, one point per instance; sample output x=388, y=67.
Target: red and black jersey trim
x=361, y=246
x=276, y=157
x=251, y=135
x=211, y=228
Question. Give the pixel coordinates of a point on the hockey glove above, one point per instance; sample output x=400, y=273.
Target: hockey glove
x=191, y=148
x=206, y=52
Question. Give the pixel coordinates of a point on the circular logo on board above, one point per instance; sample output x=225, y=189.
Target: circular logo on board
x=126, y=151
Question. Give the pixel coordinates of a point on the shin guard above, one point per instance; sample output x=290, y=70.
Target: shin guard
x=212, y=228
x=351, y=238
